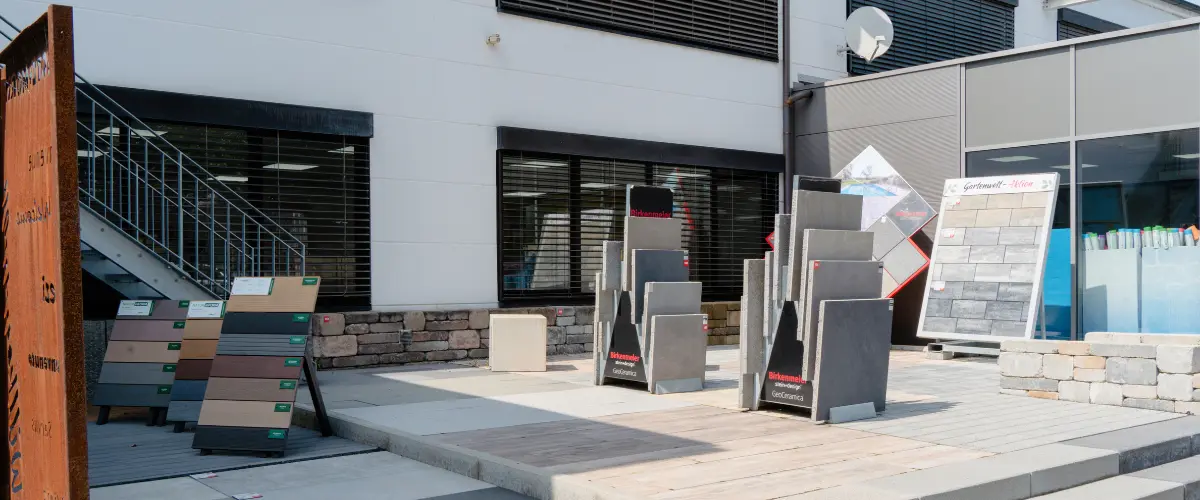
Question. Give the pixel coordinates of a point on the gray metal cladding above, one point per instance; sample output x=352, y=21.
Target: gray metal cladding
x=1138, y=82
x=902, y=98
x=129, y=395
x=262, y=345
x=1021, y=98
x=137, y=373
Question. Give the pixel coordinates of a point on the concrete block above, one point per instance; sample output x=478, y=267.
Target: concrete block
x=752, y=354
x=331, y=324
x=851, y=413
x=1147, y=445
x=1124, y=350
x=1077, y=349
x=1140, y=391
x=1174, y=386
x=1185, y=472
x=832, y=280
x=332, y=347
x=1131, y=371
x=1035, y=346
x=1079, y=392
x=1092, y=362
x=1089, y=375
x=826, y=244
x=1178, y=358
x=1149, y=404
x=677, y=345
x=654, y=265
x=1122, y=488
x=1171, y=339
x=1106, y=394
x=1113, y=338
x=1187, y=407
x=1018, y=364
x=1029, y=384
x=517, y=342
x=1057, y=366
x=852, y=354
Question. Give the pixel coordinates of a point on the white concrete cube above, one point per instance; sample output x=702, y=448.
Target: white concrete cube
x=518, y=343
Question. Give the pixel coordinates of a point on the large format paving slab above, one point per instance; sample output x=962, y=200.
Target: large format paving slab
x=554, y=435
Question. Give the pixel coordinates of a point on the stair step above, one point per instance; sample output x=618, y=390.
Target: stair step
x=1178, y=480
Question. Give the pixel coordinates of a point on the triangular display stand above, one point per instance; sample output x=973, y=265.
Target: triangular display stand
x=784, y=382
x=624, y=360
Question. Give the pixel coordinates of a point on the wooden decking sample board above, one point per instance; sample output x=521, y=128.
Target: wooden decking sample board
x=266, y=323
x=142, y=352
x=189, y=390
x=137, y=373
x=193, y=369
x=262, y=345
x=200, y=337
x=198, y=349
x=251, y=389
x=288, y=294
x=265, y=414
x=155, y=396
x=147, y=331
x=202, y=329
x=240, y=438
x=164, y=310
x=256, y=367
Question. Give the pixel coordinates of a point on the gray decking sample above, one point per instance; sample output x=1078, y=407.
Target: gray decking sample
x=832, y=280
x=678, y=344
x=751, y=341
x=184, y=411
x=137, y=373
x=853, y=342
x=814, y=210
x=156, y=396
x=262, y=345
x=654, y=265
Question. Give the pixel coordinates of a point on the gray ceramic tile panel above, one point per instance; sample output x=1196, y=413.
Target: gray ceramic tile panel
x=951, y=236
x=853, y=343
x=887, y=236
x=677, y=349
x=1029, y=216
x=959, y=218
x=911, y=213
x=952, y=290
x=945, y=325
x=1022, y=273
x=1008, y=328
x=1013, y=235
x=655, y=265
x=815, y=210
x=610, y=277
x=833, y=280
x=831, y=244
x=1006, y=311
x=904, y=261
x=982, y=236
x=978, y=326
x=889, y=285
x=939, y=308
x=750, y=343
x=987, y=254
x=968, y=309
x=993, y=272
x=1038, y=199
x=1015, y=291
x=993, y=217
x=967, y=203
x=953, y=255
x=980, y=290
x=648, y=233
x=1012, y=200
x=669, y=298
x=958, y=272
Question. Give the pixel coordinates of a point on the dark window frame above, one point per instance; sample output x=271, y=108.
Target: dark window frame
x=1075, y=24
x=941, y=37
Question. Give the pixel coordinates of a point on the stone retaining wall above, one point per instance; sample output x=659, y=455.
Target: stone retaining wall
x=358, y=339
x=1156, y=373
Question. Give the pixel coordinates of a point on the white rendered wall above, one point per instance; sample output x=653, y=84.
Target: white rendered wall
x=1035, y=24
x=438, y=92
x=817, y=32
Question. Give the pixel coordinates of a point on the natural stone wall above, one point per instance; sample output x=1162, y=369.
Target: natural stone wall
x=1162, y=375
x=358, y=339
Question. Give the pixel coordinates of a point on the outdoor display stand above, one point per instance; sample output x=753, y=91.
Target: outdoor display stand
x=816, y=333
x=251, y=390
x=648, y=315
x=200, y=336
x=141, y=360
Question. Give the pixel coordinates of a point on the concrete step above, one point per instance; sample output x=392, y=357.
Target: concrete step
x=1179, y=480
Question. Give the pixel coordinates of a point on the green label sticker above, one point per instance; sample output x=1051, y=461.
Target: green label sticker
x=169, y=368
x=282, y=407
x=277, y=434
x=174, y=346
x=179, y=324
x=296, y=339
x=164, y=389
x=287, y=384
x=291, y=362
x=185, y=303
x=310, y=281
x=301, y=318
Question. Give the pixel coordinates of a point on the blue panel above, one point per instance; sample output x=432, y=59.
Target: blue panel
x=1056, y=285
x=1171, y=290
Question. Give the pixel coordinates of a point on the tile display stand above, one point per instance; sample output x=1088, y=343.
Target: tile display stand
x=142, y=356
x=823, y=316
x=251, y=391
x=648, y=318
x=200, y=336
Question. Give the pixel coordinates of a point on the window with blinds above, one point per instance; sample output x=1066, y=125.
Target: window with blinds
x=316, y=186
x=1075, y=24
x=556, y=210
x=937, y=30
x=745, y=27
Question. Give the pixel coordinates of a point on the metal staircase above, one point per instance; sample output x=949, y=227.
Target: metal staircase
x=156, y=224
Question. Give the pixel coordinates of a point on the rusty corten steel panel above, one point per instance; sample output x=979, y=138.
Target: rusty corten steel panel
x=46, y=435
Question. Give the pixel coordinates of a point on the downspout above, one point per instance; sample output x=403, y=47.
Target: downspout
x=786, y=69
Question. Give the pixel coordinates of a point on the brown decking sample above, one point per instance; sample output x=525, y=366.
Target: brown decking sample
x=266, y=414
x=288, y=294
x=251, y=389
x=198, y=349
x=193, y=369
x=146, y=331
x=142, y=352
x=256, y=367
x=202, y=329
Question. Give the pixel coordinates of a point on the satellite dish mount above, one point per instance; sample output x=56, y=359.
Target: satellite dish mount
x=869, y=33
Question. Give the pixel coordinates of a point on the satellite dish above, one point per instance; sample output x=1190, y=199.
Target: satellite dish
x=869, y=32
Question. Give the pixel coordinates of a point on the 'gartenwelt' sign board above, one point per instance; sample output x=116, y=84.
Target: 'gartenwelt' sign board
x=46, y=434
x=989, y=255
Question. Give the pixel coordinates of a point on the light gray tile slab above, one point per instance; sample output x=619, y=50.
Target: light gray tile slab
x=1006, y=311
x=647, y=233
x=677, y=352
x=783, y=242
x=610, y=277
x=1013, y=235
x=904, y=261
x=752, y=354
x=816, y=210
x=969, y=309
x=830, y=244
x=987, y=254
x=1015, y=291
x=965, y=325
x=669, y=298
x=852, y=349
x=1121, y=488
x=1021, y=254
x=1038, y=199
x=654, y=265
x=951, y=236
x=833, y=280
x=993, y=272
x=887, y=236
x=1148, y=445
x=953, y=255
x=1022, y=273
x=980, y=290
x=180, y=488
x=959, y=218
x=959, y=272
x=970, y=202
x=939, y=308
x=996, y=217
x=1009, y=328
x=1029, y=216
x=937, y=324
x=982, y=236
x=1012, y=200
x=951, y=290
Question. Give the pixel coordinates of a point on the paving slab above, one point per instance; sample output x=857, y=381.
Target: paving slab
x=1185, y=472
x=1122, y=488
x=1149, y=445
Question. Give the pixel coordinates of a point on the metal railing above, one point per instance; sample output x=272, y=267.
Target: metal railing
x=172, y=206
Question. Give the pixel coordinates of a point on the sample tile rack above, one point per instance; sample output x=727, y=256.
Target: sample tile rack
x=200, y=336
x=142, y=358
x=256, y=368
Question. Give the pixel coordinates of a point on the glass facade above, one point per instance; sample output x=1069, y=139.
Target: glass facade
x=1136, y=201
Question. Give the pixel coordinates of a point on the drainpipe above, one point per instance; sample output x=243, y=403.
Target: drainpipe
x=786, y=69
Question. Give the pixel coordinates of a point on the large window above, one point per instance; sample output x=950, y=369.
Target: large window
x=555, y=211
x=1074, y=24
x=937, y=30
x=747, y=27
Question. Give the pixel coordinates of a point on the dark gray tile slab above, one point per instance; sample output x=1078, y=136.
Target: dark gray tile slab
x=911, y=213
x=832, y=280
x=610, y=277
x=1185, y=472
x=854, y=339
x=646, y=233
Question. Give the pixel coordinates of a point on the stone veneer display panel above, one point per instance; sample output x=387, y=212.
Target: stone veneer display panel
x=988, y=257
